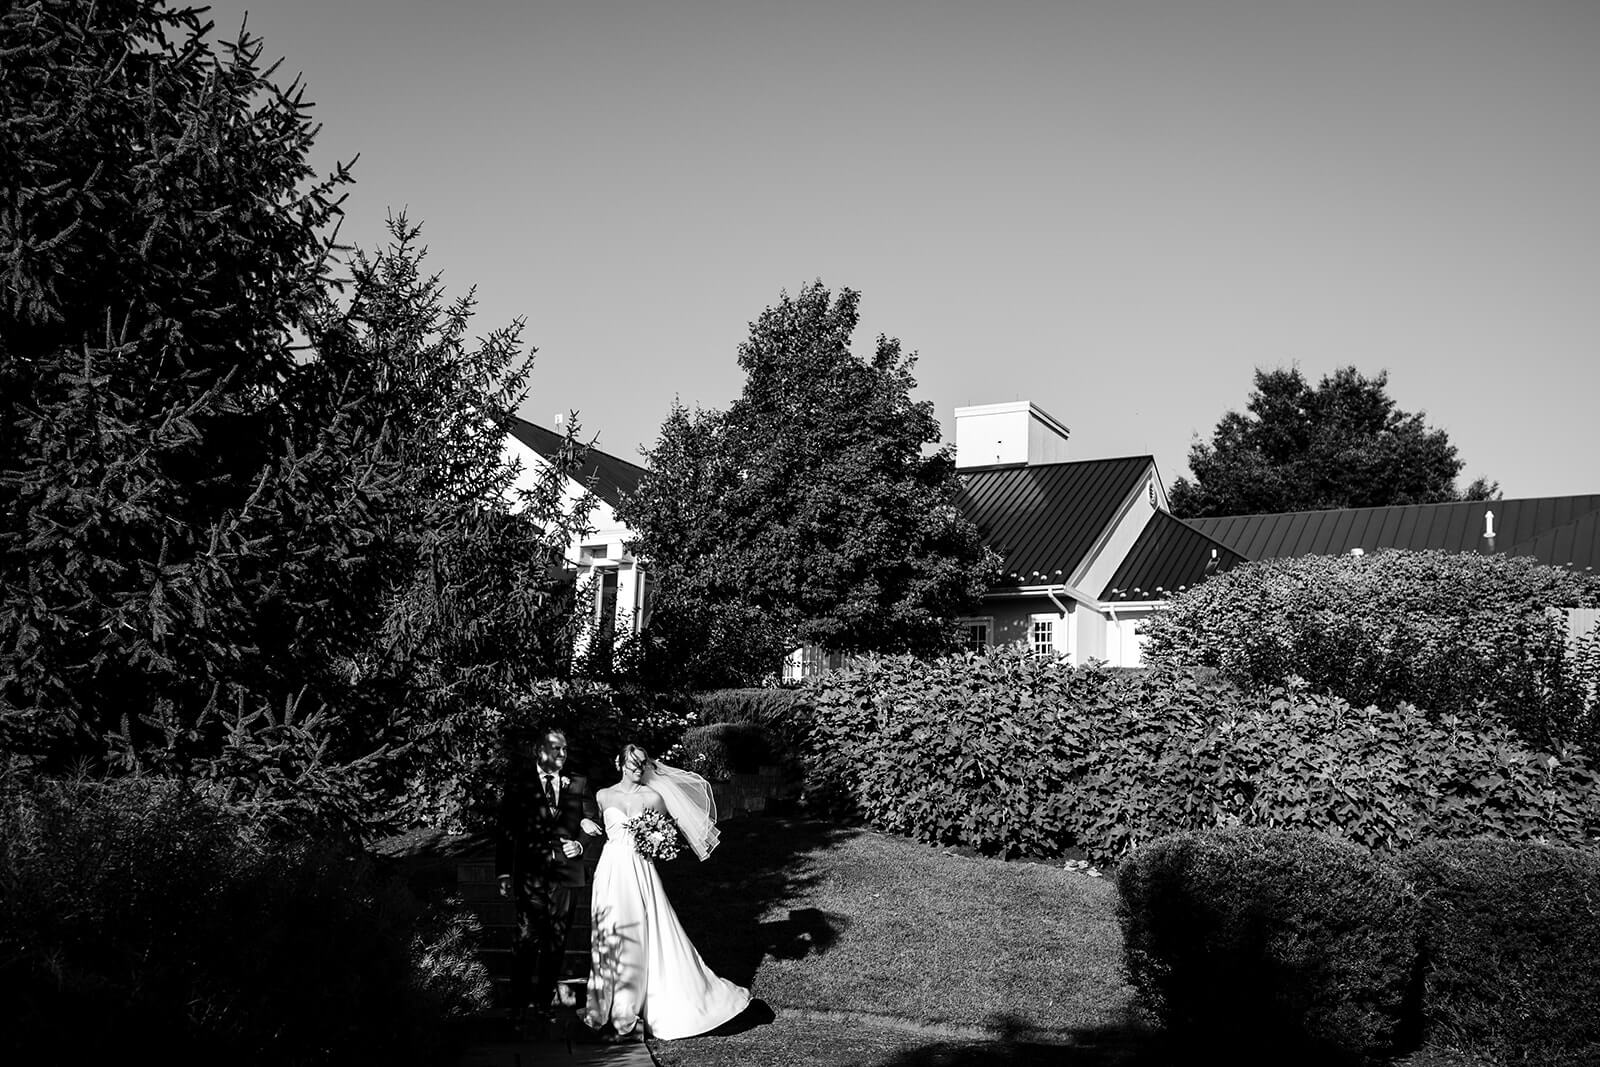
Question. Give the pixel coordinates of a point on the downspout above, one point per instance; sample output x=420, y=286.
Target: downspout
x=1111, y=609
x=1066, y=619
x=1066, y=613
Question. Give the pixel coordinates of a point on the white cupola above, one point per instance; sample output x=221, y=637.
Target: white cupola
x=1018, y=433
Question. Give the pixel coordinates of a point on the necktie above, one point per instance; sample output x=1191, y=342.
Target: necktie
x=550, y=791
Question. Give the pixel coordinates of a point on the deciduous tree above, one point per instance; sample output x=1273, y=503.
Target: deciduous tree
x=1342, y=444
x=813, y=510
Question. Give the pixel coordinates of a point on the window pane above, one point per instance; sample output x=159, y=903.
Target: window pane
x=977, y=637
x=1043, y=637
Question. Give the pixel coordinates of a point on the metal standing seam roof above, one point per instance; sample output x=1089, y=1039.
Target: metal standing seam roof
x=610, y=477
x=1560, y=531
x=1169, y=557
x=1044, y=519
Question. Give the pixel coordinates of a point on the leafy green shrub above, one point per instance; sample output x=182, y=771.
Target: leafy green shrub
x=973, y=750
x=720, y=749
x=1270, y=939
x=1013, y=755
x=1447, y=632
x=1511, y=933
x=599, y=719
x=187, y=934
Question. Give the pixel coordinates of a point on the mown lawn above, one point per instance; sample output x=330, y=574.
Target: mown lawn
x=879, y=951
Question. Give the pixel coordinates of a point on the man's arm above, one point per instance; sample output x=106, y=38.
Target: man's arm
x=591, y=816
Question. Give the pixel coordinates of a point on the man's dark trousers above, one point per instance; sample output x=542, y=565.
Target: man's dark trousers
x=545, y=883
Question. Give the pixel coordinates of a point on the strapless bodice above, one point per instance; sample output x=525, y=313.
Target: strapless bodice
x=615, y=832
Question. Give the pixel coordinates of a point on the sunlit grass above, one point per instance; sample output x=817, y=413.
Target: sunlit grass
x=876, y=947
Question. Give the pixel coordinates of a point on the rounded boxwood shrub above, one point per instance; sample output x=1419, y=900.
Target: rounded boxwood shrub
x=720, y=749
x=1267, y=939
x=1511, y=935
x=784, y=714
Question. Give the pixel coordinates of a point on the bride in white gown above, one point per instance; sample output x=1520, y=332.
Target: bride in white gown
x=643, y=966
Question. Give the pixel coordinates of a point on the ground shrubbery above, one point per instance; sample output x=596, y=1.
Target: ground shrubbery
x=1511, y=933
x=1487, y=947
x=1017, y=756
x=1449, y=633
x=598, y=717
x=1271, y=939
x=719, y=750
x=783, y=715
x=784, y=712
x=139, y=917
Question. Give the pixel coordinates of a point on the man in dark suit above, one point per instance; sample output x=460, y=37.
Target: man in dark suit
x=546, y=822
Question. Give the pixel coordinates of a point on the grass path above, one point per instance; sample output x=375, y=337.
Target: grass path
x=876, y=950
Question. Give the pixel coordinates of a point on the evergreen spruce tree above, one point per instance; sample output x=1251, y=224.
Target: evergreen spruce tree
x=254, y=524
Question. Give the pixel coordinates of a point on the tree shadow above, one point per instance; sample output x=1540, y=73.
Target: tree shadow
x=762, y=861
x=1130, y=1043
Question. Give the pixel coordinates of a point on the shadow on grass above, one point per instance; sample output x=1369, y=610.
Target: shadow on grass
x=762, y=861
x=1131, y=1044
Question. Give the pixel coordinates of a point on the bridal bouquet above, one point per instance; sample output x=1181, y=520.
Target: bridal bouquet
x=655, y=837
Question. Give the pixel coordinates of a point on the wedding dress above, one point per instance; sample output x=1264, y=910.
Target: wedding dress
x=642, y=963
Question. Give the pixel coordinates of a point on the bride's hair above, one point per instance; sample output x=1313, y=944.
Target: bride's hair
x=630, y=752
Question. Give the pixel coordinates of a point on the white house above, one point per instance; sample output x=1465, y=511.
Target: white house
x=598, y=555
x=1089, y=547
x=1091, y=550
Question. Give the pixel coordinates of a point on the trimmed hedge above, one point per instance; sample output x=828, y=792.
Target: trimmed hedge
x=1269, y=940
x=1273, y=940
x=1019, y=756
x=1511, y=934
x=180, y=933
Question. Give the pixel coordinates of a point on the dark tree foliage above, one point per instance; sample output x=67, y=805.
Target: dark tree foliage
x=1343, y=444
x=810, y=511
x=243, y=519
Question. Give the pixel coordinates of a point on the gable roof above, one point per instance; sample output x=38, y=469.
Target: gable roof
x=1559, y=530
x=610, y=477
x=1046, y=518
x=1169, y=556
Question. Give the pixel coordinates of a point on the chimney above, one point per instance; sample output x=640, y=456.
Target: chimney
x=1016, y=434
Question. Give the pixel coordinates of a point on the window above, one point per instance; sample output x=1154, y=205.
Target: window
x=596, y=551
x=811, y=661
x=1042, y=636
x=975, y=634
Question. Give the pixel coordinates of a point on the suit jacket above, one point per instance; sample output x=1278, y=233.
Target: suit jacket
x=528, y=845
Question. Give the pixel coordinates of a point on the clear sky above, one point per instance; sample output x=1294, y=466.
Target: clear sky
x=1116, y=210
